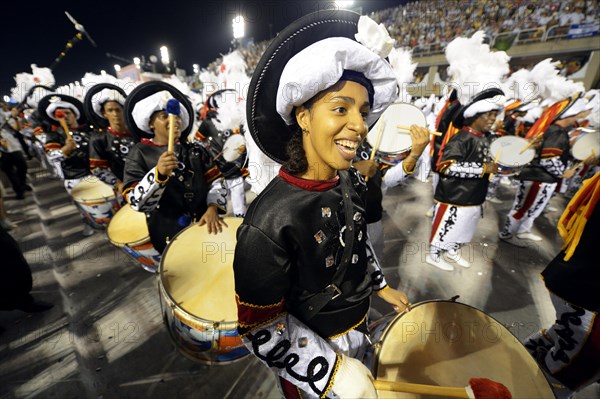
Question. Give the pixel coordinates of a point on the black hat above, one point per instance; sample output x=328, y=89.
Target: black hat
x=146, y=90
x=54, y=101
x=486, y=94
x=91, y=105
x=266, y=125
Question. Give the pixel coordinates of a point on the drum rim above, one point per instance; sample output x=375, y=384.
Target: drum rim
x=160, y=273
x=377, y=351
x=395, y=153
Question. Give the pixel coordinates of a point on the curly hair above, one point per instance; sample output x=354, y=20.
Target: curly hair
x=296, y=163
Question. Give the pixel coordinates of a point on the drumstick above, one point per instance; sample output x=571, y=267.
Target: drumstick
x=478, y=388
x=377, y=142
x=495, y=162
x=403, y=127
x=526, y=147
x=63, y=123
x=173, y=109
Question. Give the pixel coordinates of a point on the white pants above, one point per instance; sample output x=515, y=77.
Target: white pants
x=453, y=225
x=530, y=200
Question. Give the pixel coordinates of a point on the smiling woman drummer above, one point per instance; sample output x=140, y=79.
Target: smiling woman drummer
x=304, y=267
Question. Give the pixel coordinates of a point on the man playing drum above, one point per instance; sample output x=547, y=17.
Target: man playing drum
x=304, y=268
x=174, y=188
x=538, y=180
x=69, y=150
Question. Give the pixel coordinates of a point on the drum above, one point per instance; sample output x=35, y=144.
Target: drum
x=585, y=144
x=128, y=230
x=510, y=159
x=197, y=294
x=232, y=145
x=96, y=200
x=446, y=343
x=395, y=142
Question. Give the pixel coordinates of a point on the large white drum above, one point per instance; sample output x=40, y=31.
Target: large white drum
x=586, y=145
x=97, y=201
x=197, y=294
x=445, y=343
x=506, y=151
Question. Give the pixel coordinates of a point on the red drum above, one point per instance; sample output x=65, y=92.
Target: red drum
x=445, y=343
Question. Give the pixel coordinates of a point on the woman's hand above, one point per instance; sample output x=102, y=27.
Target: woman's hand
x=212, y=220
x=397, y=299
x=167, y=163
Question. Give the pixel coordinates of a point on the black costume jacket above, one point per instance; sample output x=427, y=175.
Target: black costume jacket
x=173, y=203
x=288, y=248
x=76, y=165
x=577, y=280
x=214, y=140
x=108, y=150
x=551, y=159
x=462, y=181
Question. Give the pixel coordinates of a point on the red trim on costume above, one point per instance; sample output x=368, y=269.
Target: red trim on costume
x=199, y=136
x=98, y=163
x=245, y=172
x=551, y=152
x=52, y=146
x=473, y=132
x=150, y=142
x=529, y=200
x=211, y=174
x=309, y=185
x=38, y=130
x=581, y=369
x=118, y=134
x=290, y=391
x=249, y=315
x=439, y=215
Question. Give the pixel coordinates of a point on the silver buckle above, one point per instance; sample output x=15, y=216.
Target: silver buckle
x=337, y=291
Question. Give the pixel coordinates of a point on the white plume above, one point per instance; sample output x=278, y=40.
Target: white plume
x=404, y=69
x=25, y=81
x=473, y=67
x=262, y=169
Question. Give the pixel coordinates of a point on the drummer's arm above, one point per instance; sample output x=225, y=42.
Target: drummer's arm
x=278, y=339
x=142, y=191
x=98, y=164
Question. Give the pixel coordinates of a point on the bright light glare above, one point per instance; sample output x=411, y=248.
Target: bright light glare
x=238, y=27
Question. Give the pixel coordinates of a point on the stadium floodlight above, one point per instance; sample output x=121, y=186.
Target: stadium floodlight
x=164, y=55
x=346, y=4
x=238, y=27
x=117, y=67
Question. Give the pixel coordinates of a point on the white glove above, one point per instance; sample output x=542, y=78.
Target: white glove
x=353, y=380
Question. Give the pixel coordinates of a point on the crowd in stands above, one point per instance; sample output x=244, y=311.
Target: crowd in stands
x=434, y=23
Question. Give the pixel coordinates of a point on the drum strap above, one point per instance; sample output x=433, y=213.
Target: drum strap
x=314, y=303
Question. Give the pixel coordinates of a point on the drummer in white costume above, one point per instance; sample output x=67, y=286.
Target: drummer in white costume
x=538, y=180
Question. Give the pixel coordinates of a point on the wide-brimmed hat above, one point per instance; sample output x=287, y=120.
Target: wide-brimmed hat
x=137, y=118
x=95, y=98
x=482, y=102
x=50, y=103
x=307, y=57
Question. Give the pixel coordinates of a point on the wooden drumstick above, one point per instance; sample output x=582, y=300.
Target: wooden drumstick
x=495, y=162
x=407, y=128
x=377, y=142
x=478, y=388
x=527, y=146
x=63, y=123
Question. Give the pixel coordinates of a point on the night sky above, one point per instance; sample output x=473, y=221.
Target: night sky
x=196, y=32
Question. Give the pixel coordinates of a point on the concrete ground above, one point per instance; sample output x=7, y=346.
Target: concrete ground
x=105, y=336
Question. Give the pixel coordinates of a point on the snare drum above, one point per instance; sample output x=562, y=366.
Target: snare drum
x=197, y=294
x=96, y=200
x=508, y=151
x=445, y=343
x=394, y=141
x=585, y=144
x=128, y=230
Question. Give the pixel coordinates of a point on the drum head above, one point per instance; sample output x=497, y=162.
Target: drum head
x=508, y=151
x=92, y=188
x=196, y=271
x=394, y=140
x=445, y=343
x=230, y=149
x=128, y=227
x=586, y=145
